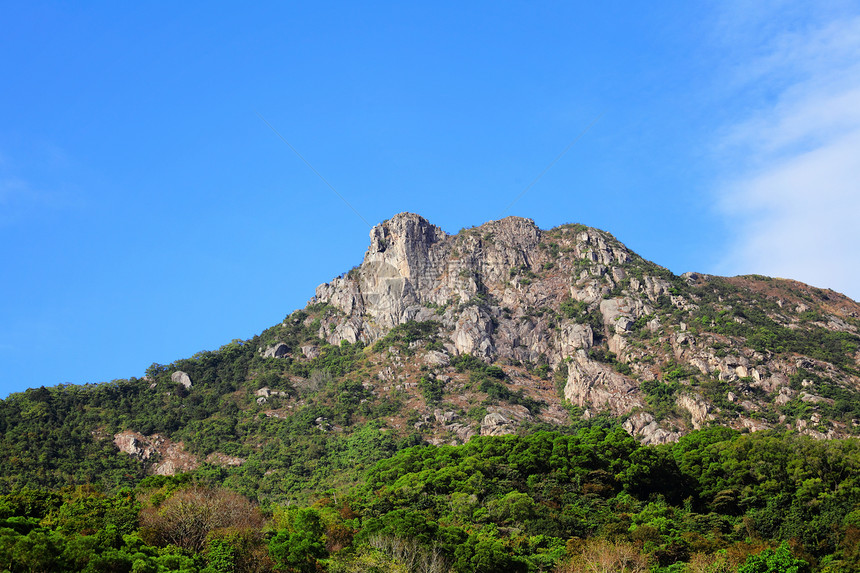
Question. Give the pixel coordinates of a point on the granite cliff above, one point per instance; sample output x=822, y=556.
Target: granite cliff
x=616, y=333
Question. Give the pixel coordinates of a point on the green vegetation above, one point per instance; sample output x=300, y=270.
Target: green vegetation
x=489, y=379
x=401, y=336
x=603, y=355
x=525, y=274
x=432, y=389
x=845, y=405
x=661, y=397
x=715, y=501
x=724, y=309
x=581, y=313
x=47, y=436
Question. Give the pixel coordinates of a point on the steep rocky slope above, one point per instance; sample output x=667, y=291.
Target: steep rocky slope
x=616, y=333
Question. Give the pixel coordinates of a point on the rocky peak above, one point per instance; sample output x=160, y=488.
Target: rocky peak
x=412, y=265
x=619, y=334
x=403, y=242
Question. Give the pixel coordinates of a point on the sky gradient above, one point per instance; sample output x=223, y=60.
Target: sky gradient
x=147, y=212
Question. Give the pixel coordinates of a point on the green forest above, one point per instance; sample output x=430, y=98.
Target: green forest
x=590, y=500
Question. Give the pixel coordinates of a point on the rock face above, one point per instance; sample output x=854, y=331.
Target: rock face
x=450, y=421
x=643, y=426
x=500, y=421
x=700, y=411
x=165, y=456
x=180, y=377
x=171, y=457
x=619, y=334
x=276, y=351
x=590, y=383
x=264, y=393
x=413, y=267
x=485, y=288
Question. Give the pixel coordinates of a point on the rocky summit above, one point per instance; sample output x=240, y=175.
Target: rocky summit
x=582, y=326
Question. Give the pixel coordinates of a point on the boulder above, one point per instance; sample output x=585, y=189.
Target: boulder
x=180, y=377
x=278, y=350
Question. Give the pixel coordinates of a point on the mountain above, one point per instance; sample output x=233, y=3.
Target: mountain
x=615, y=332
x=502, y=399
x=502, y=328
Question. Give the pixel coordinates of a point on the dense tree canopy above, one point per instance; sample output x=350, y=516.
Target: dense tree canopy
x=717, y=500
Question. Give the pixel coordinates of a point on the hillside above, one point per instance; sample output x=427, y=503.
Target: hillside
x=436, y=338
x=505, y=398
x=614, y=332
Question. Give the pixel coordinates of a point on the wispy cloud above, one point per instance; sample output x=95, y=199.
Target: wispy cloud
x=793, y=191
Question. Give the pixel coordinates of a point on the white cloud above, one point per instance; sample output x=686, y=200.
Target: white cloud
x=793, y=197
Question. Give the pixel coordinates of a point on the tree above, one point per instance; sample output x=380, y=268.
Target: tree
x=298, y=547
x=779, y=560
x=485, y=553
x=187, y=517
x=40, y=551
x=604, y=556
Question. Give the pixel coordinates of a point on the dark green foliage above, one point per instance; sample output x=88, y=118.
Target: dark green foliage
x=528, y=502
x=497, y=391
x=49, y=442
x=489, y=379
x=468, y=363
x=779, y=560
x=526, y=275
x=599, y=481
x=432, y=389
x=542, y=371
x=673, y=373
x=87, y=532
x=336, y=360
x=661, y=397
x=603, y=355
x=484, y=553
x=47, y=439
x=638, y=327
x=580, y=312
x=511, y=503
x=573, y=308
x=846, y=401
x=403, y=335
x=559, y=377
x=301, y=544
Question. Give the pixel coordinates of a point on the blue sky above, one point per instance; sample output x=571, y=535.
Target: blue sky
x=147, y=212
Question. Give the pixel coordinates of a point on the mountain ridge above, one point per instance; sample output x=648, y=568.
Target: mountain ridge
x=508, y=291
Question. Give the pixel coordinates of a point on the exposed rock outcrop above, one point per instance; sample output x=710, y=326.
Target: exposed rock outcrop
x=700, y=412
x=169, y=457
x=180, y=377
x=590, y=383
x=500, y=421
x=278, y=350
x=603, y=320
x=645, y=427
x=165, y=456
